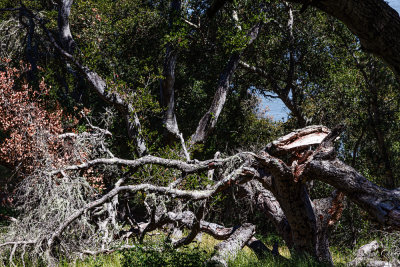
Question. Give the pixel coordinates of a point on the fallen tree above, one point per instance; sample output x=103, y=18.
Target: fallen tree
x=302, y=222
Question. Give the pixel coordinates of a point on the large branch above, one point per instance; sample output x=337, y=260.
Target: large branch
x=322, y=164
x=307, y=233
x=269, y=205
x=374, y=22
x=382, y=204
x=327, y=211
x=367, y=256
x=210, y=118
x=99, y=85
x=190, y=221
x=266, y=203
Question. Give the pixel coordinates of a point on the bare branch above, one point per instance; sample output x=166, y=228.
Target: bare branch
x=12, y=243
x=210, y=118
x=196, y=26
x=365, y=256
x=235, y=176
x=382, y=204
x=100, y=86
x=187, y=167
x=64, y=9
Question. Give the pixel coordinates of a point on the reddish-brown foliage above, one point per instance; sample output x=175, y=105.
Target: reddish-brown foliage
x=22, y=117
x=32, y=131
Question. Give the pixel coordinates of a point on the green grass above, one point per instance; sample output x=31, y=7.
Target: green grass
x=196, y=254
x=111, y=260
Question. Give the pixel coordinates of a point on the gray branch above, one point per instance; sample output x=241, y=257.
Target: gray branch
x=209, y=120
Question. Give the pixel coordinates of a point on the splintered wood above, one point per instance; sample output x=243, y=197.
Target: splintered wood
x=305, y=141
x=298, y=140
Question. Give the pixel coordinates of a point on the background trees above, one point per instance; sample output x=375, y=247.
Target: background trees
x=184, y=79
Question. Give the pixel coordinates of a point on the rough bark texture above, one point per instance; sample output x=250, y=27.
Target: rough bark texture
x=293, y=195
x=269, y=205
x=327, y=211
x=229, y=248
x=296, y=204
x=382, y=204
x=309, y=223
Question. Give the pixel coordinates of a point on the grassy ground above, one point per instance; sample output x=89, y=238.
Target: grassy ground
x=245, y=258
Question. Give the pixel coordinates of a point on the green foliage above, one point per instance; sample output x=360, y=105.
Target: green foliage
x=185, y=257
x=244, y=260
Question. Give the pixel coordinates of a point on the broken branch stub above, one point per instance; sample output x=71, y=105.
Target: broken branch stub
x=298, y=140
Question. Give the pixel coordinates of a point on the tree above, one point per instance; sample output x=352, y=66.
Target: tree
x=275, y=179
x=376, y=36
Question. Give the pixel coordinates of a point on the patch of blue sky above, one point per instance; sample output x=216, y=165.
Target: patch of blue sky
x=395, y=4
x=277, y=110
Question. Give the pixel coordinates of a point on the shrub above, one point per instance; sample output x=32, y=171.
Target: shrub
x=185, y=257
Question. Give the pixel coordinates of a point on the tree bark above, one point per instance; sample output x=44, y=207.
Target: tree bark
x=66, y=39
x=382, y=204
x=209, y=120
x=228, y=249
x=294, y=200
x=266, y=203
x=328, y=211
x=167, y=93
